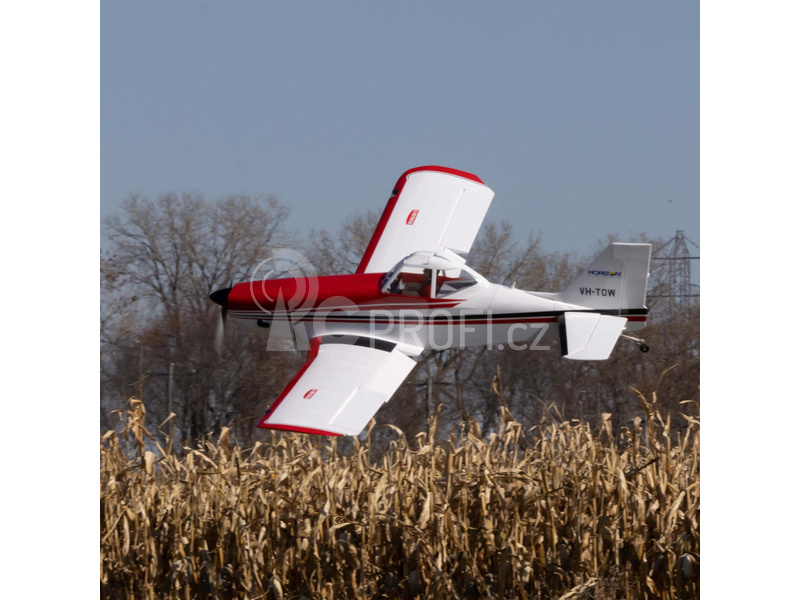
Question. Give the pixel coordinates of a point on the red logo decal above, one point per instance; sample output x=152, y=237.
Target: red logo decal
x=309, y=394
x=412, y=216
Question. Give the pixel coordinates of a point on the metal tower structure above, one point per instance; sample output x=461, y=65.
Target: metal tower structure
x=679, y=289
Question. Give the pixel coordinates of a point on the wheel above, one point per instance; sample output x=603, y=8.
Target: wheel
x=644, y=348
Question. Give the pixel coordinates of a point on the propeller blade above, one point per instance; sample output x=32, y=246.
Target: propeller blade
x=221, y=297
x=219, y=335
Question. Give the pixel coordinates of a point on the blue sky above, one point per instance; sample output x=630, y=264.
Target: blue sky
x=582, y=116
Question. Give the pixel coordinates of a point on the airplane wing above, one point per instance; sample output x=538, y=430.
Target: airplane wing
x=343, y=383
x=431, y=208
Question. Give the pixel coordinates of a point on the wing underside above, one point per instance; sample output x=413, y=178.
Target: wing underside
x=431, y=209
x=343, y=383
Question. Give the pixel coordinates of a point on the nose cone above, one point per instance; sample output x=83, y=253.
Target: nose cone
x=221, y=296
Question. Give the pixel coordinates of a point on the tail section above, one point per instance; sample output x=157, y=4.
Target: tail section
x=616, y=280
x=614, y=285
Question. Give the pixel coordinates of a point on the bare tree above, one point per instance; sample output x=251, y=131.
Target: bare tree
x=164, y=259
x=340, y=252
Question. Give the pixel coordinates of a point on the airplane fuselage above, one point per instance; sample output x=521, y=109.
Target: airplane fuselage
x=484, y=314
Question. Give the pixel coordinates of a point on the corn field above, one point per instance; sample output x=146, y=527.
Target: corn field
x=558, y=511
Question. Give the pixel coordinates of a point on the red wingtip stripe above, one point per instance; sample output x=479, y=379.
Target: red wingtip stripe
x=313, y=349
x=438, y=169
x=298, y=429
x=373, y=243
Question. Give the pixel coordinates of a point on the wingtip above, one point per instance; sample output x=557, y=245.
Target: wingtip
x=298, y=429
x=440, y=169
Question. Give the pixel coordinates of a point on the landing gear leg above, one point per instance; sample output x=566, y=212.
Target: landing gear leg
x=642, y=345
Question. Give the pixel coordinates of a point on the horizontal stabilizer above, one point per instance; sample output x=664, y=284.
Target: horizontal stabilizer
x=589, y=336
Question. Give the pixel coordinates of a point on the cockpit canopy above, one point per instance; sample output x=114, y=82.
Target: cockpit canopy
x=429, y=275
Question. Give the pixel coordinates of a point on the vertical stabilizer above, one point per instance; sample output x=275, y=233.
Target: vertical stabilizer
x=616, y=280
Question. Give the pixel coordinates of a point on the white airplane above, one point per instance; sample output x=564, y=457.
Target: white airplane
x=414, y=291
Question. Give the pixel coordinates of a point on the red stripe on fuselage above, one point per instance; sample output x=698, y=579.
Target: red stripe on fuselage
x=308, y=293
x=426, y=320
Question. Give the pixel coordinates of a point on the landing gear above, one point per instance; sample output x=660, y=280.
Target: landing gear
x=642, y=344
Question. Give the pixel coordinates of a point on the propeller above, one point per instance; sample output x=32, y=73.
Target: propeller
x=220, y=297
x=219, y=335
